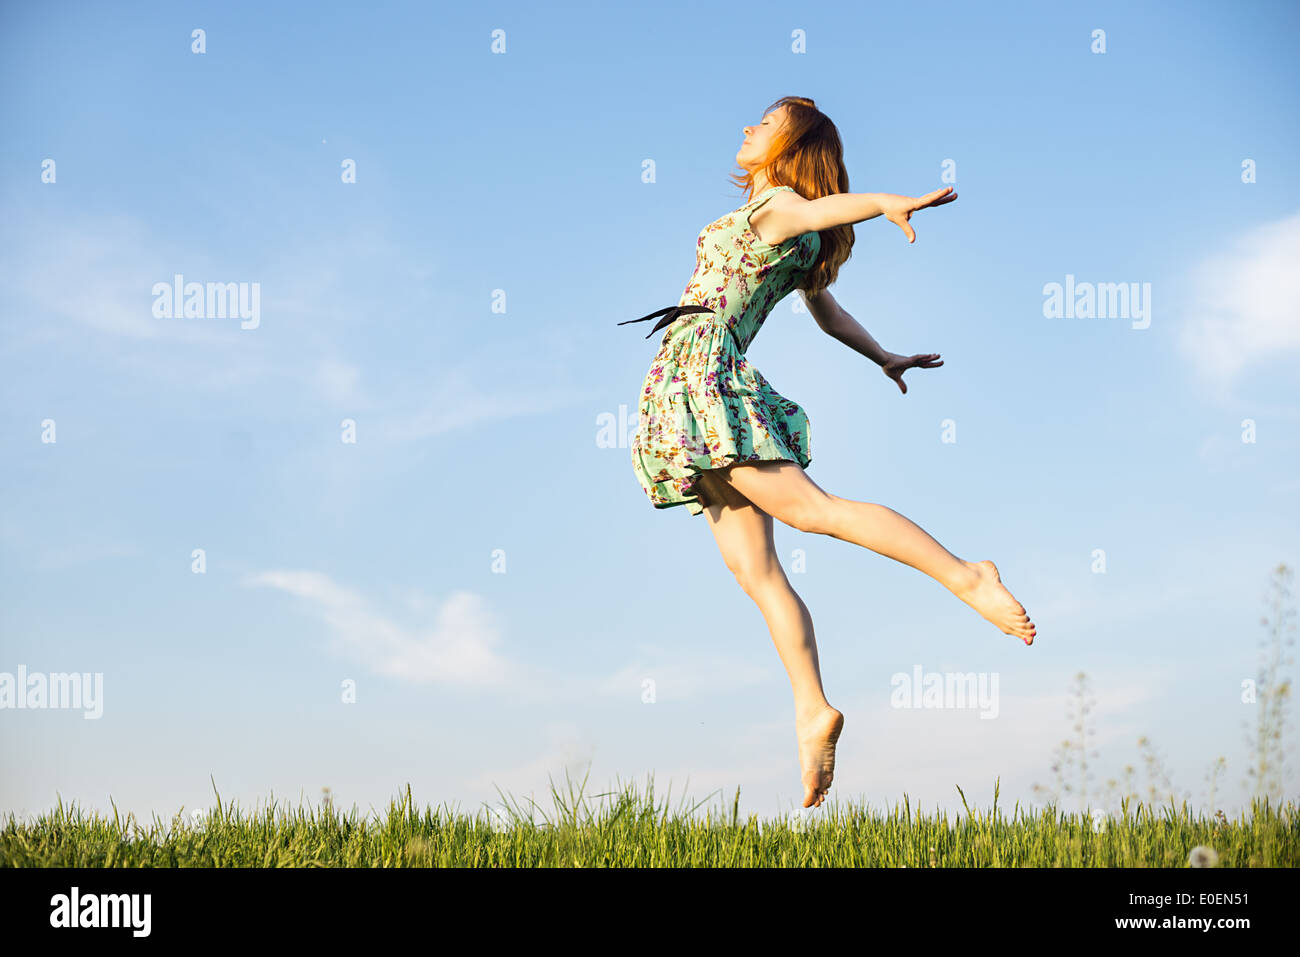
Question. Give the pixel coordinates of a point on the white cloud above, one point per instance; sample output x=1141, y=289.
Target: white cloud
x=460, y=647
x=98, y=273
x=1246, y=303
x=84, y=283
x=454, y=400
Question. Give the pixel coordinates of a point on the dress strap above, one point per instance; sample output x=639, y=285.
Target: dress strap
x=762, y=195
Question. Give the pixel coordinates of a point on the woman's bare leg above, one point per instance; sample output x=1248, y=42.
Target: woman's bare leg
x=744, y=536
x=784, y=491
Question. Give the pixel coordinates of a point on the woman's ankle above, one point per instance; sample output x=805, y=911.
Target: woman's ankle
x=964, y=577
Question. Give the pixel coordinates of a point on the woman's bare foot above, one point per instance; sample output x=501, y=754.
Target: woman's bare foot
x=988, y=596
x=817, y=735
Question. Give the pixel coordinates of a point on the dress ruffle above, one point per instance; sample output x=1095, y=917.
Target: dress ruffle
x=705, y=406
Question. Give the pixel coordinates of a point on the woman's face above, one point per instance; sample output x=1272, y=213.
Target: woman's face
x=758, y=139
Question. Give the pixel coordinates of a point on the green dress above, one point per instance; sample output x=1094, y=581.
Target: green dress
x=703, y=405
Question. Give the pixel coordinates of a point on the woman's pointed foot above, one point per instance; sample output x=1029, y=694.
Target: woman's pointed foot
x=988, y=596
x=818, y=733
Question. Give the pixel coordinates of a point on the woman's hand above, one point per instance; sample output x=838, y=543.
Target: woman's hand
x=896, y=365
x=899, y=209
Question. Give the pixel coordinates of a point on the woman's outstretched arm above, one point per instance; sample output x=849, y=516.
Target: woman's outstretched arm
x=840, y=209
x=835, y=321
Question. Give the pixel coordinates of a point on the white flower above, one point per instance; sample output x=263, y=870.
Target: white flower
x=1202, y=856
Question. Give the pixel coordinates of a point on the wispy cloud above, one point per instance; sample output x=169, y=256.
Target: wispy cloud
x=1246, y=302
x=85, y=283
x=460, y=646
x=458, y=399
x=94, y=273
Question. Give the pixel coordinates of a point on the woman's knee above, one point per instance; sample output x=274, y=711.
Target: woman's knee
x=757, y=577
x=813, y=513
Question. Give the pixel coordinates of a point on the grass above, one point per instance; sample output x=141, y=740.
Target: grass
x=631, y=830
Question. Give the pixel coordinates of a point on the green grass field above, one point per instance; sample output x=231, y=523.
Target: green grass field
x=628, y=829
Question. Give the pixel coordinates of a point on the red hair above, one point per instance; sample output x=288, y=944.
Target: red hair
x=807, y=155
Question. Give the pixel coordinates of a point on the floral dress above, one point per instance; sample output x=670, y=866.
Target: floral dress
x=703, y=405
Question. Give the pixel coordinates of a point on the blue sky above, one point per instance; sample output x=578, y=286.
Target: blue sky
x=491, y=576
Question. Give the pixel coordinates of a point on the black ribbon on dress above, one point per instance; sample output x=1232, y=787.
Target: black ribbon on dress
x=669, y=314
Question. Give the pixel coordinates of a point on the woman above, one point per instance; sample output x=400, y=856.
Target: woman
x=714, y=436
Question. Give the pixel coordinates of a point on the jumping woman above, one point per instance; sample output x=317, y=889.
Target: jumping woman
x=714, y=436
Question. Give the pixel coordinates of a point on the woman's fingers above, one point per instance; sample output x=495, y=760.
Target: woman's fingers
x=904, y=225
x=940, y=195
x=928, y=360
x=937, y=198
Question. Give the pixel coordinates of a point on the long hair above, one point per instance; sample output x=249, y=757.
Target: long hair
x=807, y=155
